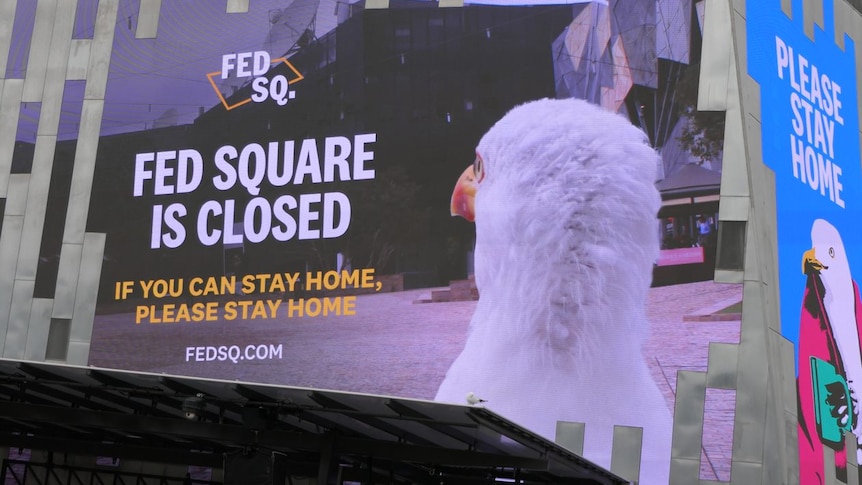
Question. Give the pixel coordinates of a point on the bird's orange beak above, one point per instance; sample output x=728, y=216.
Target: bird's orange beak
x=464, y=195
x=810, y=262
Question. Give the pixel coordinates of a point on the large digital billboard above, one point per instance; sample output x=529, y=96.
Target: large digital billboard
x=277, y=203
x=810, y=131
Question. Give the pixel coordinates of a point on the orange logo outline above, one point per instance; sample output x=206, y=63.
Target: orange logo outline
x=299, y=77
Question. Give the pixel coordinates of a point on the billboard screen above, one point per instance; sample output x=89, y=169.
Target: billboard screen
x=810, y=131
x=278, y=203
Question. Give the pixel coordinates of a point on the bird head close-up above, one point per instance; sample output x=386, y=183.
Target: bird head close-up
x=562, y=194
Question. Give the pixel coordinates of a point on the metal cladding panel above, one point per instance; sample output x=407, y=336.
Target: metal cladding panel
x=570, y=436
x=79, y=59
x=39, y=326
x=688, y=416
x=67, y=280
x=56, y=68
x=34, y=215
x=40, y=47
x=19, y=320
x=100, y=49
x=82, y=176
x=10, y=100
x=88, y=281
x=723, y=366
x=7, y=18
x=626, y=455
x=237, y=6
x=148, y=19
x=784, y=43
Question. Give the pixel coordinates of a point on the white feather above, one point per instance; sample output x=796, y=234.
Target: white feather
x=565, y=244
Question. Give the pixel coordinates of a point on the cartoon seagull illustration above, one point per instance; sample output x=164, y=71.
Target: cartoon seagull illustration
x=562, y=193
x=829, y=331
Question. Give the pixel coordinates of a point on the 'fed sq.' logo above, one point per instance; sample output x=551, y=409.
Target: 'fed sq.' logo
x=255, y=65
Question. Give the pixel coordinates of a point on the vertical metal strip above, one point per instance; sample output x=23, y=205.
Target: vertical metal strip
x=237, y=6
x=37, y=63
x=626, y=452
x=148, y=19
x=7, y=21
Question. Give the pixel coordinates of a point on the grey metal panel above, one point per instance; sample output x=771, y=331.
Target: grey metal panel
x=10, y=242
x=688, y=414
x=721, y=372
x=788, y=357
x=373, y=4
x=10, y=238
x=687, y=427
x=728, y=276
x=847, y=20
x=742, y=473
x=10, y=102
x=786, y=443
x=79, y=352
x=7, y=20
x=16, y=197
x=37, y=199
x=852, y=466
x=734, y=208
x=773, y=431
x=87, y=289
x=237, y=6
x=829, y=465
x=626, y=452
x=82, y=173
x=790, y=448
x=57, y=347
x=812, y=12
x=67, y=280
x=40, y=324
x=19, y=320
x=79, y=57
x=57, y=65
x=570, y=435
x=715, y=57
x=752, y=379
x=40, y=46
x=748, y=90
x=451, y=3
x=684, y=471
x=734, y=176
x=148, y=19
x=100, y=51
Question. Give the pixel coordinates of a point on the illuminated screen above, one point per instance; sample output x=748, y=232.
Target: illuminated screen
x=277, y=205
x=810, y=131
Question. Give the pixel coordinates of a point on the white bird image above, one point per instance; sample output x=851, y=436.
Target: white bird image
x=562, y=193
x=473, y=400
x=828, y=256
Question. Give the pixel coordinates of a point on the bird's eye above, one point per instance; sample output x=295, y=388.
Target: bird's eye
x=832, y=252
x=479, y=168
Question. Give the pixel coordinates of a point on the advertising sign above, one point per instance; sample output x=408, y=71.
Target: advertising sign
x=278, y=207
x=810, y=132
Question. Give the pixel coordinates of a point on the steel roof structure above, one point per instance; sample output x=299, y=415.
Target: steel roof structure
x=323, y=434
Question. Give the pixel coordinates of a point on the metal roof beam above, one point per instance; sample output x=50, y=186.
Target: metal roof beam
x=159, y=454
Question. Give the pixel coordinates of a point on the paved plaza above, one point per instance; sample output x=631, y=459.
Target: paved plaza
x=394, y=346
